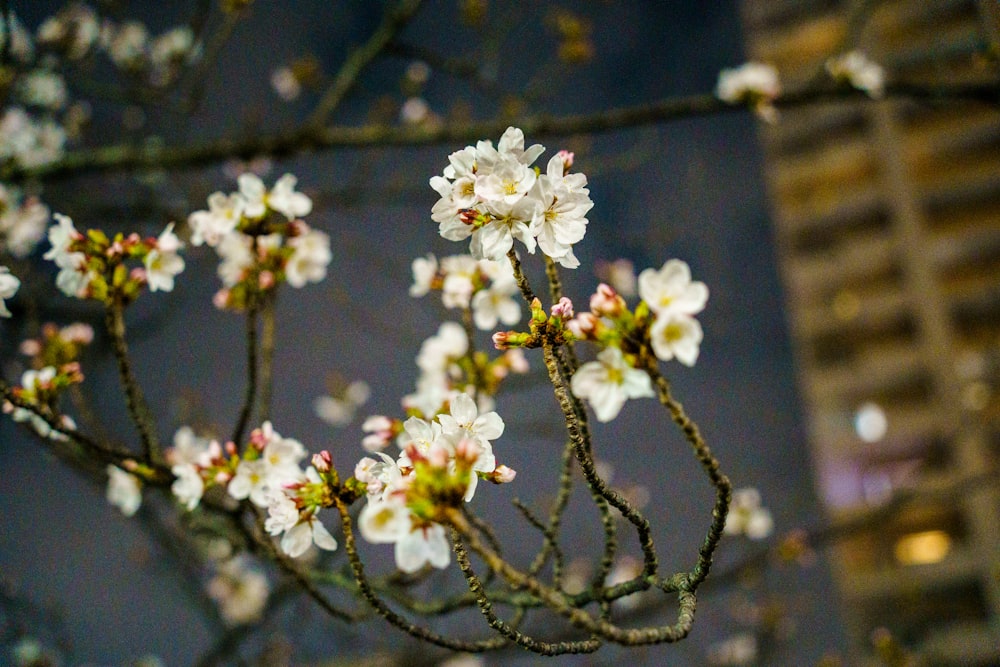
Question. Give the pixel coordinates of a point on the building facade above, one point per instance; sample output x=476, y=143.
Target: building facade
x=887, y=222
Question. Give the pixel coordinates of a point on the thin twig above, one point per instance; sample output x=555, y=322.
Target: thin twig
x=134, y=401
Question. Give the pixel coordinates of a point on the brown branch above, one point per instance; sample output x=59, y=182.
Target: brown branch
x=128, y=157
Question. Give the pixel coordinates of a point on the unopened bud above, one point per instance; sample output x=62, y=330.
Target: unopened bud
x=221, y=299
x=567, y=160
x=564, y=309
x=30, y=347
x=606, y=301
x=322, y=461
x=503, y=475
x=266, y=279
x=468, y=450
x=584, y=326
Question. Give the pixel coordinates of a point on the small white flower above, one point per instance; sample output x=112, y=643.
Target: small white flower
x=240, y=590
x=251, y=480
x=427, y=545
x=384, y=521
x=752, y=83
x=286, y=201
x=223, y=215
x=188, y=487
x=676, y=336
x=188, y=448
x=465, y=421
x=282, y=512
x=310, y=257
x=163, y=262
x=608, y=382
x=124, y=490
x=424, y=270
x=858, y=70
x=9, y=285
x=495, y=304
x=747, y=516
x=670, y=290
x=307, y=532
x=285, y=83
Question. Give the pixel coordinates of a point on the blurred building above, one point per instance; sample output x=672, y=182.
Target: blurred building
x=887, y=218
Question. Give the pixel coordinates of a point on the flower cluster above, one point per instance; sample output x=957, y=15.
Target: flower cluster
x=261, y=239
x=856, y=69
x=493, y=196
x=447, y=367
x=747, y=516
x=22, y=221
x=439, y=465
x=267, y=473
x=663, y=320
x=754, y=84
x=93, y=266
x=487, y=287
x=40, y=390
x=30, y=141
x=240, y=590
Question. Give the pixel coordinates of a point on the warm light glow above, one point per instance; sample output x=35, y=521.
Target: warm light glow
x=929, y=546
x=870, y=422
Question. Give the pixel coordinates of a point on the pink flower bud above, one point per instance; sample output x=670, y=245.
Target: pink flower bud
x=322, y=461
x=563, y=309
x=584, y=325
x=606, y=301
x=468, y=450
x=30, y=347
x=567, y=160
x=438, y=457
x=516, y=360
x=130, y=465
x=468, y=216
x=221, y=299
x=78, y=332
x=500, y=339
x=138, y=274
x=266, y=279
x=503, y=475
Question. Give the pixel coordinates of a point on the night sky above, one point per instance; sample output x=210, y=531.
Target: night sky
x=692, y=189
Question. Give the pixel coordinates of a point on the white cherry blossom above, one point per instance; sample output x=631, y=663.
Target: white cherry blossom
x=422, y=546
x=124, y=490
x=307, y=532
x=9, y=285
x=676, y=336
x=223, y=215
x=163, y=262
x=310, y=257
x=608, y=382
x=188, y=487
x=670, y=291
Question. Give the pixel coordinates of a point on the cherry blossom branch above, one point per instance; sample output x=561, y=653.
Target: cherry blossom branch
x=510, y=630
x=127, y=157
x=250, y=394
x=560, y=603
x=708, y=462
x=383, y=610
x=260, y=537
x=134, y=401
x=267, y=344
